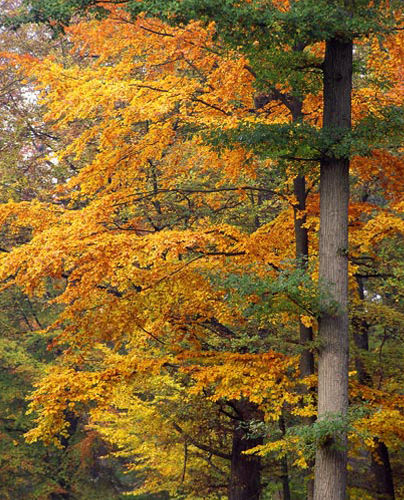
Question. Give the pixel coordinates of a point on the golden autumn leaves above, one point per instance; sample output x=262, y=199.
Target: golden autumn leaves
x=153, y=217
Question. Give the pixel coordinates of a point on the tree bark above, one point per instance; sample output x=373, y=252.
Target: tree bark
x=295, y=106
x=284, y=465
x=331, y=456
x=245, y=476
x=306, y=362
x=60, y=496
x=384, y=486
x=302, y=253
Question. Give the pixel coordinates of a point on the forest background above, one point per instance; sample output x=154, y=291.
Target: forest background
x=163, y=181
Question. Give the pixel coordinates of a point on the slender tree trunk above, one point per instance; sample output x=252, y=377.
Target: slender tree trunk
x=284, y=465
x=245, y=476
x=380, y=461
x=331, y=460
x=302, y=253
x=306, y=363
x=285, y=479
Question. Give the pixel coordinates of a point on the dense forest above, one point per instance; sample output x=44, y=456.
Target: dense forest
x=201, y=253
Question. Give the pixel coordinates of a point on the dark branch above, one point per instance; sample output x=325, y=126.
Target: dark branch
x=201, y=446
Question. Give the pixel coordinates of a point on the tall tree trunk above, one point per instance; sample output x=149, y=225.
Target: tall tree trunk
x=306, y=363
x=380, y=461
x=245, y=476
x=284, y=465
x=285, y=479
x=302, y=253
x=331, y=460
x=302, y=244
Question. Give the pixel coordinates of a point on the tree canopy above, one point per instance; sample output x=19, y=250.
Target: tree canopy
x=176, y=231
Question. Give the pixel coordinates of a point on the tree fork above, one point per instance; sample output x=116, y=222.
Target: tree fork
x=331, y=457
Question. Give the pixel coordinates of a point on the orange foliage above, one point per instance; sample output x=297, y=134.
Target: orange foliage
x=138, y=233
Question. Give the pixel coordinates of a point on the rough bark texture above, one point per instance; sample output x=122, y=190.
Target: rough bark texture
x=245, y=477
x=284, y=466
x=306, y=362
x=302, y=252
x=380, y=461
x=331, y=462
x=302, y=243
x=285, y=479
x=384, y=487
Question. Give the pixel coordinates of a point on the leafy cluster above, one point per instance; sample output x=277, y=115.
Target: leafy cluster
x=155, y=266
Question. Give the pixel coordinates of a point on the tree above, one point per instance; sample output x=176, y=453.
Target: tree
x=35, y=471
x=259, y=135
x=156, y=224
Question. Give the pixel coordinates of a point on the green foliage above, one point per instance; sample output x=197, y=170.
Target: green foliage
x=303, y=142
x=56, y=14
x=239, y=24
x=291, y=291
x=328, y=431
x=306, y=22
x=383, y=129
x=324, y=432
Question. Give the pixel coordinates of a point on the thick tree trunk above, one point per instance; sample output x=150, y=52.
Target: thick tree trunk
x=331, y=456
x=245, y=476
x=60, y=496
x=384, y=487
x=380, y=461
